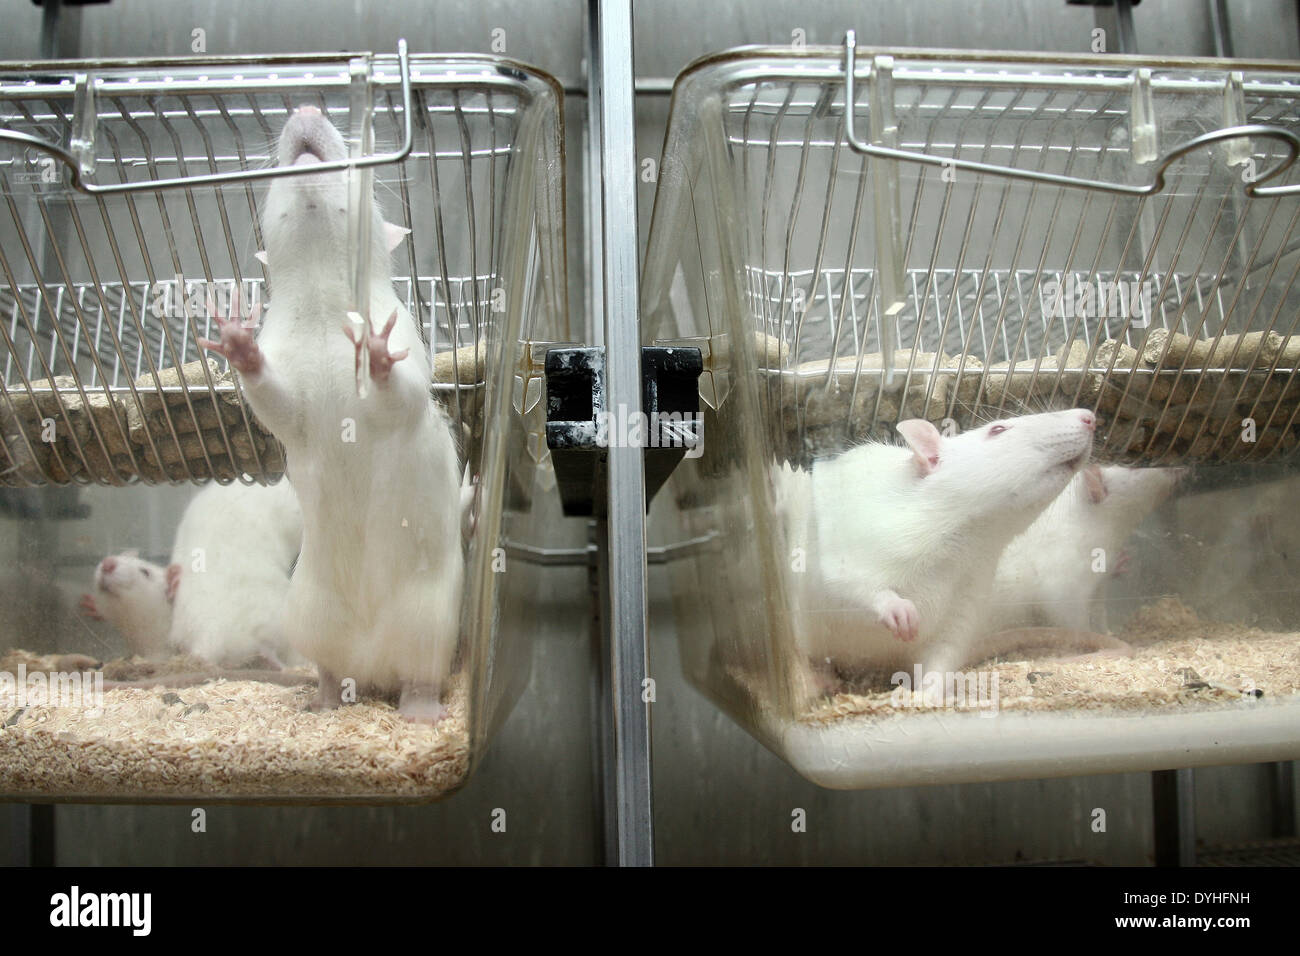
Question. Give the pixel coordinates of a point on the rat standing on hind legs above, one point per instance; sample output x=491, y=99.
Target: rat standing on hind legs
x=375, y=598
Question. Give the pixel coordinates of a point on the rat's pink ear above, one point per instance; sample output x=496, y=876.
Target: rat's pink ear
x=260, y=256
x=173, y=580
x=924, y=440
x=394, y=235
x=1095, y=482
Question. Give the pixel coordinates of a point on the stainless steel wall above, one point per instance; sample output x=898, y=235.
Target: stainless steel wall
x=720, y=797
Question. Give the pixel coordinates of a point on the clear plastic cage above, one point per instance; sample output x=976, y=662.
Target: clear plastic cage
x=111, y=269
x=990, y=236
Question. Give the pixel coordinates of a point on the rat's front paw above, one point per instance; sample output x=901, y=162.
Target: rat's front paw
x=899, y=615
x=381, y=360
x=1122, y=564
x=90, y=608
x=238, y=343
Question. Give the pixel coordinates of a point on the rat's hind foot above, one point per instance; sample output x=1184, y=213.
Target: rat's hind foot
x=381, y=360
x=329, y=693
x=237, y=342
x=420, y=704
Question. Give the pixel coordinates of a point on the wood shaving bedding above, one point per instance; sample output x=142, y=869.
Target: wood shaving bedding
x=225, y=739
x=1179, y=662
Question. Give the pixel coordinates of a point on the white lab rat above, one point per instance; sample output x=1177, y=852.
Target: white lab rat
x=1050, y=575
x=232, y=556
x=902, y=542
x=376, y=595
x=131, y=594
x=222, y=596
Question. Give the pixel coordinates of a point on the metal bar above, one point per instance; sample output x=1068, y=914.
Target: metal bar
x=811, y=70
x=20, y=834
x=587, y=557
x=645, y=86
x=603, y=699
x=610, y=57
x=50, y=11
x=1124, y=27
x=604, y=755
x=31, y=840
x=42, y=844
x=1283, y=780
x=1173, y=807
x=1221, y=28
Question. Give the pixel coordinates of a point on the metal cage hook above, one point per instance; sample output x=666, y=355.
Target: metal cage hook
x=212, y=179
x=1253, y=189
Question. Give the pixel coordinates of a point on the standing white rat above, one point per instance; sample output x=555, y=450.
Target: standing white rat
x=222, y=596
x=1050, y=575
x=902, y=542
x=376, y=596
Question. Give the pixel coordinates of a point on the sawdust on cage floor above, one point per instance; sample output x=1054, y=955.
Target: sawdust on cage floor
x=1179, y=661
x=230, y=739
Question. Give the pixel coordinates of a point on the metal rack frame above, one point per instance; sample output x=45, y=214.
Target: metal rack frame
x=611, y=144
x=620, y=540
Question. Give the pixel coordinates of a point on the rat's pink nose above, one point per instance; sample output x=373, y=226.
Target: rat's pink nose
x=1089, y=420
x=108, y=565
x=308, y=110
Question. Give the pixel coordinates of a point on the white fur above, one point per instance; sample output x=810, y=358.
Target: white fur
x=883, y=529
x=133, y=598
x=245, y=539
x=376, y=594
x=1048, y=576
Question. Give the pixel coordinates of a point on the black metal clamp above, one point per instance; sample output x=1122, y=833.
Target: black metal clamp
x=580, y=429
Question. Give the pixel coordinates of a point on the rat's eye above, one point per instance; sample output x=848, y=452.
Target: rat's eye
x=145, y=572
x=997, y=430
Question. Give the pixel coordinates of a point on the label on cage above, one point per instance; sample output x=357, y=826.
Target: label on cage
x=33, y=167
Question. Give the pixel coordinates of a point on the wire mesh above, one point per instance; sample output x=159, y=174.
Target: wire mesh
x=1173, y=315
x=103, y=298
